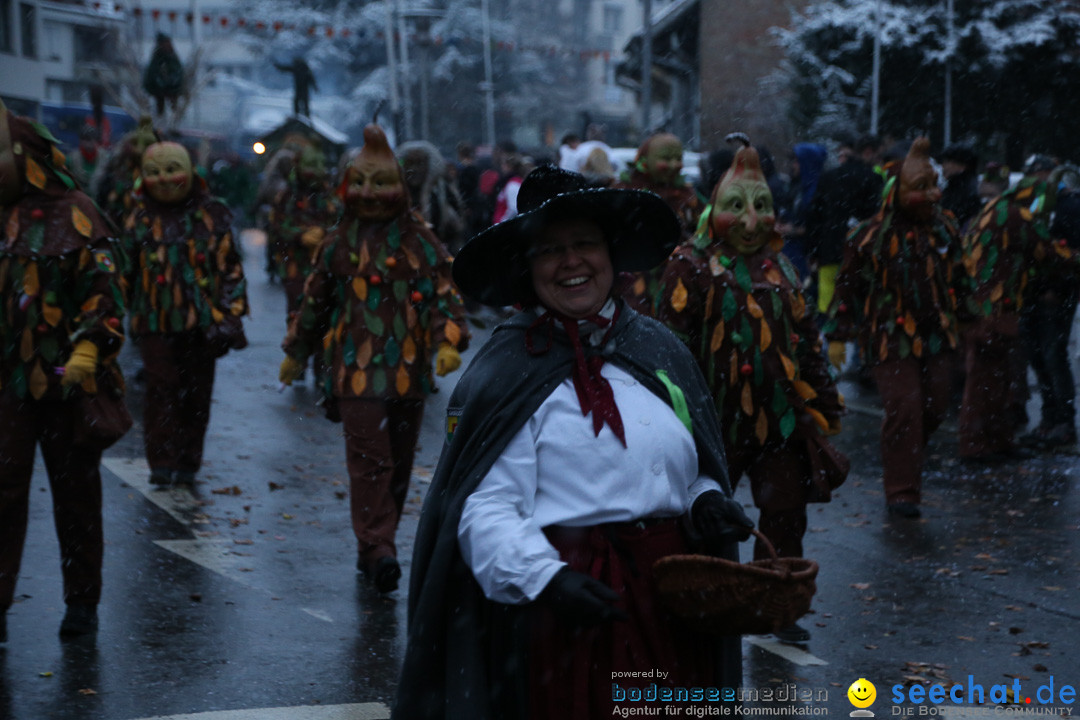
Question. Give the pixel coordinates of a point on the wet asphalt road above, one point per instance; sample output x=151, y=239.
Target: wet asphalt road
x=243, y=595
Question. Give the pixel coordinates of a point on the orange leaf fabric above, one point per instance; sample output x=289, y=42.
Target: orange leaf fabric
x=35, y=175
x=678, y=296
x=81, y=222
x=358, y=382
x=402, y=381
x=717, y=336
x=452, y=332
x=753, y=308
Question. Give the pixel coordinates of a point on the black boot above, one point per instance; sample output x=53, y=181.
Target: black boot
x=387, y=574
x=79, y=620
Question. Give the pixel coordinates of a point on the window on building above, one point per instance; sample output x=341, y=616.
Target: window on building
x=5, y=26
x=28, y=29
x=613, y=18
x=93, y=44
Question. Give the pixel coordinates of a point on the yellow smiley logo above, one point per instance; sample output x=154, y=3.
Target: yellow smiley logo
x=862, y=693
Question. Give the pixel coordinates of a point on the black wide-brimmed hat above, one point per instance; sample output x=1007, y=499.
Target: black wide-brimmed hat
x=640, y=229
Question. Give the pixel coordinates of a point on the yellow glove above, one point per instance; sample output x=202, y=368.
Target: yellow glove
x=81, y=364
x=837, y=354
x=291, y=370
x=312, y=237
x=447, y=359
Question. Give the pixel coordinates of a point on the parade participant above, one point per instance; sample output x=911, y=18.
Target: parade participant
x=114, y=179
x=434, y=194
x=60, y=331
x=658, y=168
x=164, y=78
x=894, y=292
x=187, y=295
x=301, y=214
x=531, y=577
x=845, y=195
x=1011, y=262
x=736, y=303
x=379, y=306
x=960, y=196
x=84, y=159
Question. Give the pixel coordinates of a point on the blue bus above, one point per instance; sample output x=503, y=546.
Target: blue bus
x=65, y=120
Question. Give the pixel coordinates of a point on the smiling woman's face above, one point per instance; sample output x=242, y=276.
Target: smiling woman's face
x=571, y=268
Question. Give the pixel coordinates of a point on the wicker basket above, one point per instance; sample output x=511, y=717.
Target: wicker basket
x=724, y=597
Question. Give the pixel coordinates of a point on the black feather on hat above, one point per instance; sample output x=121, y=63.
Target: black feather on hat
x=640, y=229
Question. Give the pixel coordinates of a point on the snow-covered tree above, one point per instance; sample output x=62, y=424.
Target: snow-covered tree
x=1015, y=70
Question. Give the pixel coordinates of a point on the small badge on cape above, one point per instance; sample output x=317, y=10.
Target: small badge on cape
x=104, y=261
x=453, y=415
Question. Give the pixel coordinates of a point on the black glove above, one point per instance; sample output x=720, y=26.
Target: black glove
x=720, y=520
x=578, y=599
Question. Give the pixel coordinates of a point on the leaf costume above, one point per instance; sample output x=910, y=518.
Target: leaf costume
x=61, y=306
x=743, y=316
x=1008, y=255
x=642, y=289
x=896, y=295
x=895, y=291
x=187, y=296
x=186, y=273
x=377, y=304
x=58, y=276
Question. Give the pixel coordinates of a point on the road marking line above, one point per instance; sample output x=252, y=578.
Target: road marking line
x=216, y=554
x=319, y=614
x=788, y=652
x=135, y=472
x=355, y=711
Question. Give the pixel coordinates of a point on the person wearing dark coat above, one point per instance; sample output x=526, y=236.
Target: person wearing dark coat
x=960, y=195
x=845, y=196
x=1047, y=318
x=578, y=441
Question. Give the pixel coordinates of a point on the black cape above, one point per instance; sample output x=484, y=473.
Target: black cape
x=466, y=657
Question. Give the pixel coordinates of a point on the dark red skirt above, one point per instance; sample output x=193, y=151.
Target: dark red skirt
x=578, y=673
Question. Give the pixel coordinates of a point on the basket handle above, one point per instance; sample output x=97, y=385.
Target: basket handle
x=784, y=567
x=765, y=541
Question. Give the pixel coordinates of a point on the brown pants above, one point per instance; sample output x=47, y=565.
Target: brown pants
x=987, y=419
x=915, y=395
x=179, y=386
x=75, y=481
x=380, y=443
x=780, y=482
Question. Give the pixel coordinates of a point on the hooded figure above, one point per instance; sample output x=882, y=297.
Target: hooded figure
x=735, y=301
x=1020, y=284
x=577, y=442
x=187, y=295
x=379, y=306
x=61, y=307
x=164, y=76
x=895, y=295
x=658, y=168
x=301, y=214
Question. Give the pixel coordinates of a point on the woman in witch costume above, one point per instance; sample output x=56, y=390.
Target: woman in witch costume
x=735, y=301
x=60, y=330
x=379, y=306
x=531, y=580
x=187, y=295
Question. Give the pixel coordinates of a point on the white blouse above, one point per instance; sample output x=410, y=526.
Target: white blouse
x=556, y=471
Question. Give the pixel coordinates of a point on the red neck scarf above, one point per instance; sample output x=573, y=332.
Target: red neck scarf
x=593, y=390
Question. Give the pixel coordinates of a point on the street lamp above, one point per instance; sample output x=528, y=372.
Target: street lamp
x=422, y=19
x=875, y=90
